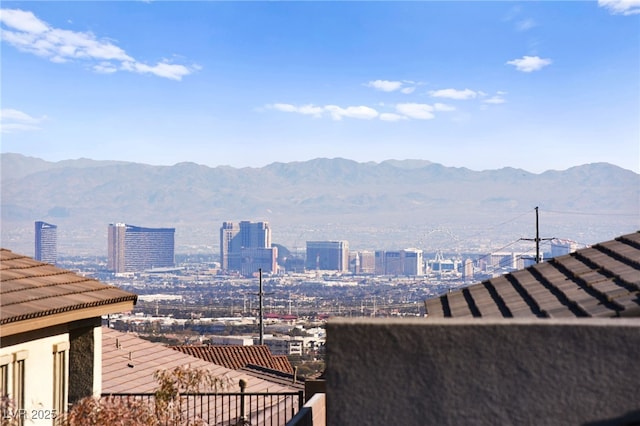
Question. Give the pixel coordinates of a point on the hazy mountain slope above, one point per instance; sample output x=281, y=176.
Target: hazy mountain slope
x=321, y=198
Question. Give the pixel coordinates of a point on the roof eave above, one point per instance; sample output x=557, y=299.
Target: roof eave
x=30, y=324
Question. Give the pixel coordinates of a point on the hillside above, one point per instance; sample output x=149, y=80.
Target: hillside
x=373, y=205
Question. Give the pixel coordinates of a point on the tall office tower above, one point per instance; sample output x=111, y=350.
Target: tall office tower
x=230, y=246
x=379, y=262
x=328, y=255
x=254, y=259
x=46, y=249
x=413, y=264
x=367, y=262
x=393, y=264
x=467, y=270
x=135, y=249
x=246, y=247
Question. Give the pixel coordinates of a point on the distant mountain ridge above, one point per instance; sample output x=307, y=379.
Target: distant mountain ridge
x=321, y=198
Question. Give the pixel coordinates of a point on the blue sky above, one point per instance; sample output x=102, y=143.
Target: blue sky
x=483, y=85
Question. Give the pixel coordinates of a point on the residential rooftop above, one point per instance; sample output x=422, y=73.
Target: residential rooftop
x=35, y=295
x=601, y=281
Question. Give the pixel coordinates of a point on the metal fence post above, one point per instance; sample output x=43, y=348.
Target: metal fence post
x=243, y=385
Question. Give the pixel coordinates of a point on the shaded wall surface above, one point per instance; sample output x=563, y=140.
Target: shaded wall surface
x=483, y=372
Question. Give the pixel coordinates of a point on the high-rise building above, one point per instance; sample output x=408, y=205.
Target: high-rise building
x=230, y=246
x=134, y=248
x=246, y=247
x=46, y=242
x=399, y=262
x=413, y=264
x=328, y=255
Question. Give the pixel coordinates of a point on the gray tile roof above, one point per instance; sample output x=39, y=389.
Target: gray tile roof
x=599, y=281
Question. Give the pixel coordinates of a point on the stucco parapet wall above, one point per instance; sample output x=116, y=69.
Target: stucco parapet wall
x=482, y=371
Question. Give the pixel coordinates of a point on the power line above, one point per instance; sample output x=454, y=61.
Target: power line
x=593, y=214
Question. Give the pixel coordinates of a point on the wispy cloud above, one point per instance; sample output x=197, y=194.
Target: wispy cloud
x=443, y=107
x=495, y=100
x=334, y=111
x=621, y=7
x=14, y=121
x=525, y=24
x=529, y=63
x=403, y=111
x=389, y=116
x=404, y=86
x=454, y=94
x=26, y=32
x=385, y=85
x=416, y=111
x=361, y=112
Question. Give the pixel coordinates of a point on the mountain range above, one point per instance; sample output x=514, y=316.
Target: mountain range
x=391, y=204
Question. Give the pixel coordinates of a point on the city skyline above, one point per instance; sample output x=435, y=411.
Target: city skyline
x=534, y=85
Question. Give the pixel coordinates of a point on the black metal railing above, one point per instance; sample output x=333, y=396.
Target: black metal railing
x=221, y=409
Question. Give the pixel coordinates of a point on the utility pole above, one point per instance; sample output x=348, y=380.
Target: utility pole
x=537, y=239
x=261, y=293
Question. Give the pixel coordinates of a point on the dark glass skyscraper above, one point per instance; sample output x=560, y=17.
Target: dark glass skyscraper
x=134, y=248
x=46, y=244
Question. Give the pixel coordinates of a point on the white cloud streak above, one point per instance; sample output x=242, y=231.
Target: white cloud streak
x=406, y=86
x=416, y=111
x=385, y=85
x=621, y=7
x=14, y=121
x=389, y=116
x=361, y=112
x=23, y=30
x=495, y=100
x=529, y=63
x=403, y=111
x=454, y=94
x=525, y=24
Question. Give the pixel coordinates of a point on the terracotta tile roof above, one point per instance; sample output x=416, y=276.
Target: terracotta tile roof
x=236, y=356
x=599, y=281
x=31, y=290
x=129, y=363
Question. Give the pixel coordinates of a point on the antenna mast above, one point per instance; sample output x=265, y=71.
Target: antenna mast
x=260, y=292
x=537, y=239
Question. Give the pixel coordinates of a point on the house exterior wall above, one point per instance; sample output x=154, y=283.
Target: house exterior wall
x=482, y=372
x=38, y=356
x=62, y=364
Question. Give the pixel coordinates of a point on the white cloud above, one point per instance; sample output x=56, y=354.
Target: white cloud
x=454, y=94
x=389, y=116
x=312, y=110
x=621, y=7
x=415, y=110
x=529, y=63
x=22, y=21
x=336, y=112
x=405, y=86
x=385, y=85
x=495, y=100
x=12, y=121
x=525, y=24
x=361, y=112
x=24, y=31
x=443, y=107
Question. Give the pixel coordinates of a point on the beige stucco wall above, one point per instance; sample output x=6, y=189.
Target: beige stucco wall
x=38, y=375
x=97, y=362
x=481, y=372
